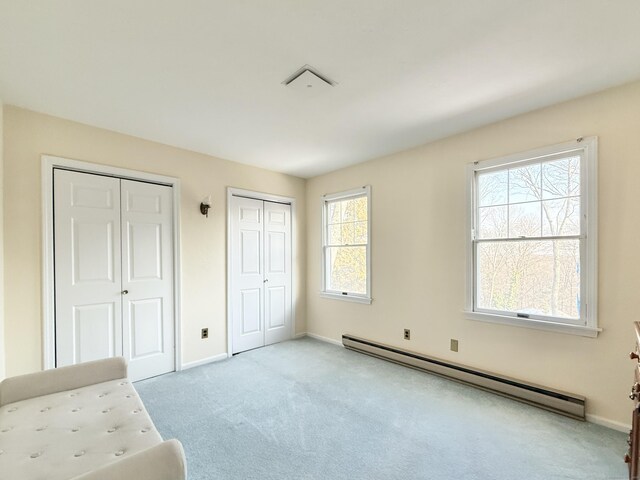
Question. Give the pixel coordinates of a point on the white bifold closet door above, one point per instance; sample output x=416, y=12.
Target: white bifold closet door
x=260, y=273
x=113, y=248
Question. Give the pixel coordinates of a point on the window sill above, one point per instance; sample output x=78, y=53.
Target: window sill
x=567, y=328
x=346, y=298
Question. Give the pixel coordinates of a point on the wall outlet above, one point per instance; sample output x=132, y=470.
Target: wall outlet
x=205, y=333
x=407, y=334
x=454, y=345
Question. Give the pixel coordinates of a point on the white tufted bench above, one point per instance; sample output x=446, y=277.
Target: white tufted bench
x=83, y=422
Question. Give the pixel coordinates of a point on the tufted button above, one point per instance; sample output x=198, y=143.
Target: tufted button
x=1, y=452
x=136, y=411
x=5, y=430
x=106, y=410
x=112, y=429
x=75, y=429
x=144, y=430
x=76, y=410
x=45, y=409
x=128, y=396
x=79, y=454
x=119, y=453
x=35, y=455
x=123, y=383
x=40, y=429
x=12, y=409
x=73, y=394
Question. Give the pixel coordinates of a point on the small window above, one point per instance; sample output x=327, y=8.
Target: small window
x=532, y=258
x=346, y=245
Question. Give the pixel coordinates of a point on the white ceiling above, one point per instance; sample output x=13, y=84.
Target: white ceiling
x=206, y=74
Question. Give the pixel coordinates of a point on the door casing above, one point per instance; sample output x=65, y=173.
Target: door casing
x=268, y=198
x=50, y=162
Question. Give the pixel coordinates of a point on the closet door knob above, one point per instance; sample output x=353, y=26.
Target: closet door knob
x=124, y=292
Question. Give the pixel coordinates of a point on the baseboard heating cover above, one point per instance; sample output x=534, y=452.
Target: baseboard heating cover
x=547, y=398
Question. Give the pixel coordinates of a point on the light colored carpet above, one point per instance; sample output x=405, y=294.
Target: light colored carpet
x=305, y=409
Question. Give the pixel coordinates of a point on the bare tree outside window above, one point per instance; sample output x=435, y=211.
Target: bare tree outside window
x=346, y=245
x=528, y=238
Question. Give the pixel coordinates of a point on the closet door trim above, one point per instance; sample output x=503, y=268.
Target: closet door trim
x=267, y=197
x=49, y=163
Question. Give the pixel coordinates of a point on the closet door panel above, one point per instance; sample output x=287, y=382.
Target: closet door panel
x=147, y=266
x=87, y=267
x=247, y=273
x=277, y=283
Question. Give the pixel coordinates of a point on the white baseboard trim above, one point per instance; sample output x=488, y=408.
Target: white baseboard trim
x=619, y=426
x=300, y=335
x=204, y=361
x=324, y=339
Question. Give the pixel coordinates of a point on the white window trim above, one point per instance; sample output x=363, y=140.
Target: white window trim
x=589, y=326
x=349, y=297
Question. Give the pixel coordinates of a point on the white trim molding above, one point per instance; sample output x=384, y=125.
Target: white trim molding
x=346, y=298
x=535, y=324
x=605, y=422
x=324, y=339
x=49, y=163
x=587, y=323
x=205, y=361
x=267, y=197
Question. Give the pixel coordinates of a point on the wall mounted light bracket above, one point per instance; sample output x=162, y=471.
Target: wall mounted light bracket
x=205, y=205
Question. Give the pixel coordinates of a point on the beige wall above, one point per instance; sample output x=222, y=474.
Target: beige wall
x=418, y=253
x=418, y=224
x=28, y=135
x=2, y=353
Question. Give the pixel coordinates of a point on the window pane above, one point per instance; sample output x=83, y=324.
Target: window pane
x=361, y=208
x=529, y=276
x=492, y=222
x=561, y=178
x=334, y=235
x=360, y=232
x=492, y=188
x=525, y=184
x=348, y=232
x=561, y=217
x=333, y=213
x=349, y=210
x=347, y=269
x=524, y=220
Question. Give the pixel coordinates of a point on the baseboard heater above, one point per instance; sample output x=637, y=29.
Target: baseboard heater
x=549, y=399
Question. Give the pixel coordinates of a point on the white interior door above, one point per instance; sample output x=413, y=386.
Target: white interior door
x=87, y=267
x=113, y=250
x=147, y=279
x=277, y=268
x=260, y=264
x=247, y=279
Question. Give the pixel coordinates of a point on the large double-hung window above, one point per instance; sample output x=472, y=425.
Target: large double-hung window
x=346, y=234
x=532, y=233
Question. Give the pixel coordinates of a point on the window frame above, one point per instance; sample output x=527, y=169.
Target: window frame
x=364, y=191
x=587, y=324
